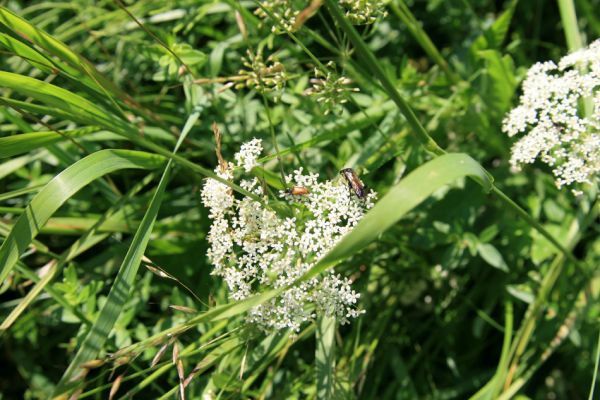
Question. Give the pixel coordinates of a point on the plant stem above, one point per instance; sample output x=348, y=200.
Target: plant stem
x=569, y=22
x=403, y=12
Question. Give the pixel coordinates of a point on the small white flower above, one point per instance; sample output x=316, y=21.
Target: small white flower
x=254, y=249
x=248, y=154
x=552, y=116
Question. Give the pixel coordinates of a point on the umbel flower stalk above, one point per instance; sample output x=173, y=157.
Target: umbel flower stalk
x=254, y=249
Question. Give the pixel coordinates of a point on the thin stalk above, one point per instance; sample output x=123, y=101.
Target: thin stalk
x=369, y=59
x=293, y=37
x=569, y=22
x=591, y=396
x=403, y=12
x=274, y=139
x=528, y=326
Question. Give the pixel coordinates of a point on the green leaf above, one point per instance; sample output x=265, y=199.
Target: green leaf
x=402, y=198
x=494, y=36
x=59, y=190
x=492, y=256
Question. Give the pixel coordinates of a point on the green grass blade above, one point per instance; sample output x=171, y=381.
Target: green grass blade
x=595, y=375
x=120, y=290
x=325, y=357
x=59, y=190
x=20, y=192
x=85, y=242
x=23, y=143
x=10, y=166
x=48, y=273
x=77, y=107
x=71, y=63
x=402, y=198
x=414, y=26
x=22, y=50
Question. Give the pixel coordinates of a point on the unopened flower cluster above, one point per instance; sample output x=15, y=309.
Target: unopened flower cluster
x=559, y=113
x=283, y=11
x=363, y=12
x=255, y=249
x=264, y=76
x=286, y=12
x=330, y=89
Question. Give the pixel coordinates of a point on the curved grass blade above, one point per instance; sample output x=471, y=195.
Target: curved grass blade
x=79, y=108
x=30, y=55
x=68, y=105
x=402, y=198
x=85, y=242
x=59, y=190
x=70, y=62
x=121, y=288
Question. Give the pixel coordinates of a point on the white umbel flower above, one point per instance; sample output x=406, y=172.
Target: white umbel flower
x=248, y=154
x=254, y=249
x=552, y=115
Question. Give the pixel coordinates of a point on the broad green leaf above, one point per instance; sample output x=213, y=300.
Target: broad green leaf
x=402, y=198
x=59, y=190
x=499, y=81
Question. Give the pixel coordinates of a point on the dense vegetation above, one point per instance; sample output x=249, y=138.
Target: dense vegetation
x=476, y=280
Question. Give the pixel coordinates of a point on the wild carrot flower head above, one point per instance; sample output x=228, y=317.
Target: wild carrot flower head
x=559, y=115
x=255, y=249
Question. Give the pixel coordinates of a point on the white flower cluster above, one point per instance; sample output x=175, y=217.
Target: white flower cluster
x=254, y=249
x=559, y=112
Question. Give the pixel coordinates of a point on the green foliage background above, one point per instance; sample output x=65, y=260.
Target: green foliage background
x=465, y=295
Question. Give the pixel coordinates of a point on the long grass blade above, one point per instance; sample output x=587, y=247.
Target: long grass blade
x=59, y=190
x=121, y=288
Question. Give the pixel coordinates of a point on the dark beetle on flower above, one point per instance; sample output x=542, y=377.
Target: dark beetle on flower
x=354, y=183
